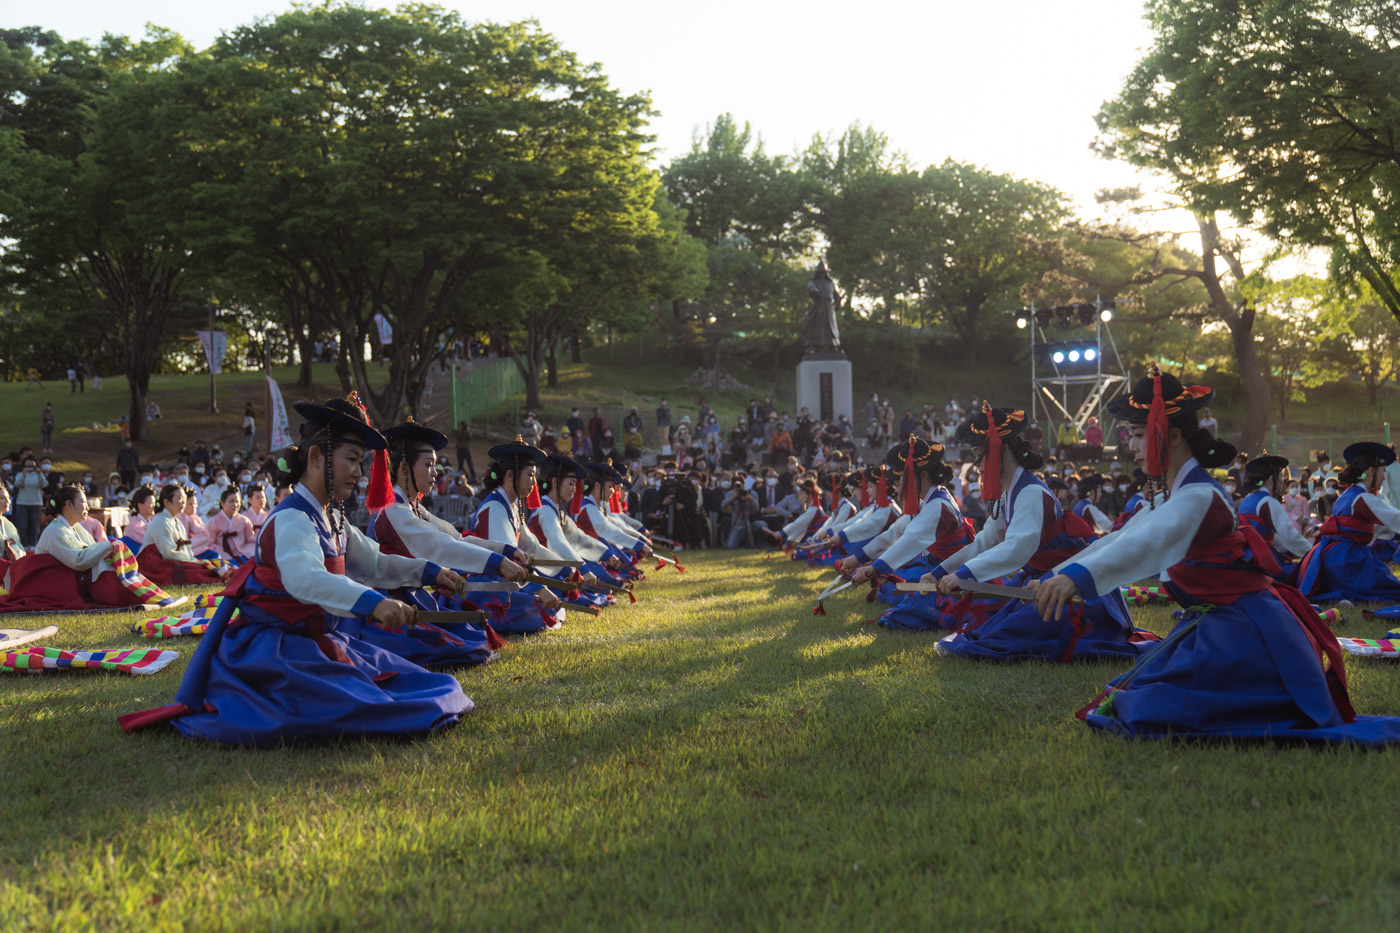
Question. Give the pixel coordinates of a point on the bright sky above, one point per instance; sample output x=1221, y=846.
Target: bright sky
x=1009, y=84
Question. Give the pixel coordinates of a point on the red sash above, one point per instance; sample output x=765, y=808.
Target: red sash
x=1048, y=558
x=957, y=538
x=1240, y=576
x=288, y=608
x=1349, y=527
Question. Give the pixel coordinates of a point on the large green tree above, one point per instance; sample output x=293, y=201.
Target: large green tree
x=89, y=199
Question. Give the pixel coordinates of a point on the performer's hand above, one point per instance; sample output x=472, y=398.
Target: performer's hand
x=848, y=565
x=392, y=614
x=612, y=563
x=589, y=577
x=547, y=599
x=510, y=570
x=450, y=581
x=646, y=551
x=949, y=584
x=861, y=574
x=1052, y=595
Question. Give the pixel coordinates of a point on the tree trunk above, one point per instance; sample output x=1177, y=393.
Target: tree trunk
x=551, y=362
x=575, y=355
x=137, y=414
x=1240, y=321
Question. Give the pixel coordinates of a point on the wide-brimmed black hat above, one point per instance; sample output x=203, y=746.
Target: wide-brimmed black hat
x=414, y=433
x=325, y=421
x=925, y=454
x=1176, y=398
x=1088, y=484
x=603, y=472
x=562, y=467
x=517, y=452
x=1383, y=454
x=1258, y=470
x=1010, y=422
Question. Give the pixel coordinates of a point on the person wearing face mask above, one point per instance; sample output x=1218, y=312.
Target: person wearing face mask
x=11, y=549
x=1135, y=501
x=167, y=555
x=143, y=509
x=1343, y=565
x=109, y=492
x=1295, y=505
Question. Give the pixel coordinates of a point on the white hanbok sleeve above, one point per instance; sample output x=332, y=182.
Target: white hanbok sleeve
x=844, y=513
x=585, y=547
x=304, y=575
x=1151, y=541
x=554, y=535
x=1101, y=522
x=1287, y=537
x=444, y=548
x=606, y=530
x=795, y=530
x=1390, y=489
x=921, y=531
x=623, y=528
x=72, y=546
x=868, y=527
x=1020, y=539
x=878, y=545
x=165, y=534
x=1387, y=515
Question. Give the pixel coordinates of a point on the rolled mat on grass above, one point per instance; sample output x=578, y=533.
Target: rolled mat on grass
x=122, y=661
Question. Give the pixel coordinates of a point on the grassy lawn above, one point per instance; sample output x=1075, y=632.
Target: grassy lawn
x=713, y=757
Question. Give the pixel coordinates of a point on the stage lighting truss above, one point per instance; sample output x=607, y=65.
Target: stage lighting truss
x=1074, y=377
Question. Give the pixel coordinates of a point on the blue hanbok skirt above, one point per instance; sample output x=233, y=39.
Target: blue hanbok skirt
x=513, y=613
x=452, y=644
x=271, y=684
x=1016, y=632
x=1247, y=670
x=1340, y=568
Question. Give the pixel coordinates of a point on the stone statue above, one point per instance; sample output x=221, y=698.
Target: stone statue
x=822, y=335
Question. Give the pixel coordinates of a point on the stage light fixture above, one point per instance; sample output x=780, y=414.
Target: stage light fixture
x=1090, y=354
x=1106, y=315
x=1086, y=314
x=1066, y=315
x=1058, y=356
x=1074, y=356
x=1042, y=317
x=1022, y=322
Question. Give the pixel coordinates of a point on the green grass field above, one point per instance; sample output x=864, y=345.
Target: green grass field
x=714, y=757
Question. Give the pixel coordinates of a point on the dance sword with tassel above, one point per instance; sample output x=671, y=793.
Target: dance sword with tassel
x=840, y=584
x=972, y=586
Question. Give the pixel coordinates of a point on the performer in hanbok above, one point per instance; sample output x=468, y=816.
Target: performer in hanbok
x=257, y=511
x=1087, y=505
x=595, y=515
x=143, y=509
x=11, y=549
x=401, y=526
x=230, y=532
x=70, y=571
x=499, y=523
x=1342, y=564
x=166, y=556
x=281, y=671
x=1265, y=478
x=1026, y=534
x=935, y=530
x=1250, y=657
x=552, y=524
x=195, y=529
x=807, y=521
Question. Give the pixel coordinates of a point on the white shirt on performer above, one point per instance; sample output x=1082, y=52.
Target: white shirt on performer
x=876, y=547
x=1003, y=546
x=563, y=536
x=429, y=537
x=74, y=548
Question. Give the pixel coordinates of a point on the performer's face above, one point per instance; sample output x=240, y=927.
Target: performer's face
x=524, y=481
x=1137, y=443
x=566, y=488
x=347, y=463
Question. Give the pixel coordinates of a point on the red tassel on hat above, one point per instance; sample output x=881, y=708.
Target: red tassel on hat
x=864, y=490
x=380, y=494
x=576, y=504
x=835, y=486
x=1157, y=429
x=911, y=482
x=533, y=499
x=991, y=466
x=882, y=494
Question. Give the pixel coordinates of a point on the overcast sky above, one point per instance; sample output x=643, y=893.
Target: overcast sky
x=1009, y=84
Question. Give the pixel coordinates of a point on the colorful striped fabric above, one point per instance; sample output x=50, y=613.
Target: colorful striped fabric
x=123, y=561
x=123, y=661
x=193, y=622
x=1140, y=595
x=1372, y=647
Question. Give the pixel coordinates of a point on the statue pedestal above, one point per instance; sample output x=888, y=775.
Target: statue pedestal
x=824, y=387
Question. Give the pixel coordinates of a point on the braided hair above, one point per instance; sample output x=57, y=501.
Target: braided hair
x=1210, y=452
x=318, y=432
x=407, y=451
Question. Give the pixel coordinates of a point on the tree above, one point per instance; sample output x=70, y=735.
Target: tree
x=88, y=195
x=395, y=162
x=1291, y=333
x=1283, y=113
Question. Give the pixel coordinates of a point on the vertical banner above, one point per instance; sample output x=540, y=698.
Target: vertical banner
x=385, y=328
x=215, y=343
x=280, y=432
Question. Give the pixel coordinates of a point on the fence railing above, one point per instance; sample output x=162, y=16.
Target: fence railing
x=478, y=385
x=1300, y=448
